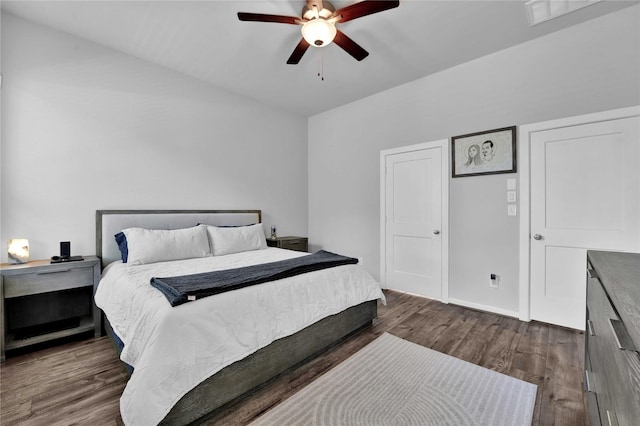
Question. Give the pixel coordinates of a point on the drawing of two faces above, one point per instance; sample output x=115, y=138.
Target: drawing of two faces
x=477, y=156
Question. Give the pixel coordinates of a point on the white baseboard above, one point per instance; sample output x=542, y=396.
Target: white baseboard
x=467, y=304
x=414, y=294
x=492, y=309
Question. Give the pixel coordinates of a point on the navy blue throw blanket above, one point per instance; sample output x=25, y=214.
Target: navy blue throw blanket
x=179, y=290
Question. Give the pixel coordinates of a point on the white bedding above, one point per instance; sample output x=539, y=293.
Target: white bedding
x=174, y=349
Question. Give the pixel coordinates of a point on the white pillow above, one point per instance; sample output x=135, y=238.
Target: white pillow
x=159, y=245
x=227, y=240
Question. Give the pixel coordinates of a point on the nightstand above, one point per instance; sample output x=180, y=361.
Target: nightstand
x=289, y=243
x=42, y=301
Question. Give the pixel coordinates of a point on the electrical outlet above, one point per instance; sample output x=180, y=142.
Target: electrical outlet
x=493, y=281
x=512, y=210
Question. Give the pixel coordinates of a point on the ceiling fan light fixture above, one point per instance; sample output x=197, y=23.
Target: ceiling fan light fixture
x=318, y=32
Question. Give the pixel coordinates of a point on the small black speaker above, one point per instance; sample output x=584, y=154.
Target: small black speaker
x=65, y=249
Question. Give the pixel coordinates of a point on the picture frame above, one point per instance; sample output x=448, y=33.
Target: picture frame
x=484, y=153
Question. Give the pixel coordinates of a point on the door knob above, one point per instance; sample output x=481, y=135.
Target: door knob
x=436, y=232
x=537, y=236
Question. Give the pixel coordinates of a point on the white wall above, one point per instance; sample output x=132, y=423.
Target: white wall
x=86, y=128
x=586, y=68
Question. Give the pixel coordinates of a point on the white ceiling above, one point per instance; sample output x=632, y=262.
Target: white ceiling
x=205, y=40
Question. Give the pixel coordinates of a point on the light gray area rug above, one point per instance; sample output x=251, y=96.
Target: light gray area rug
x=395, y=382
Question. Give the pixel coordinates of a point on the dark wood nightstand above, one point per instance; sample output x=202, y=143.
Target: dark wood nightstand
x=42, y=301
x=289, y=243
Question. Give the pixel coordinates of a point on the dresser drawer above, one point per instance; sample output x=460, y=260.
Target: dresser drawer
x=297, y=244
x=591, y=396
x=46, y=281
x=615, y=387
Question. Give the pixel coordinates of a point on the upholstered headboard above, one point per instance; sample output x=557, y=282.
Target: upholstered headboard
x=110, y=222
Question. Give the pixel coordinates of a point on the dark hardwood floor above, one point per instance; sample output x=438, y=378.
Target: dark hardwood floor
x=81, y=382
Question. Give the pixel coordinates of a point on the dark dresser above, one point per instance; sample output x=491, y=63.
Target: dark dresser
x=612, y=338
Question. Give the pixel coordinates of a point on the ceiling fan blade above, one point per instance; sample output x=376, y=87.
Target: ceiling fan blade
x=364, y=8
x=350, y=46
x=298, y=52
x=261, y=17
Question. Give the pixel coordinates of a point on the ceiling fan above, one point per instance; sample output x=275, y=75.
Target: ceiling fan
x=319, y=19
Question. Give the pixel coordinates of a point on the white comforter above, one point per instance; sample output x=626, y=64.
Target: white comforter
x=174, y=349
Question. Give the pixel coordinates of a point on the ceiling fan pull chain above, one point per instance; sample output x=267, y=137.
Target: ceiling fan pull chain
x=321, y=65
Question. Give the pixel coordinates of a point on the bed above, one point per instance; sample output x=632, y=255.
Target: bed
x=192, y=360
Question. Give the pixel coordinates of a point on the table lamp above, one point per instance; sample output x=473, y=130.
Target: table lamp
x=18, y=249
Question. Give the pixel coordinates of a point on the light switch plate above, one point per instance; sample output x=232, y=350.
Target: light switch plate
x=511, y=196
x=511, y=210
x=511, y=183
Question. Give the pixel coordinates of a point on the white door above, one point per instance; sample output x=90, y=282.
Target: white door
x=413, y=208
x=585, y=190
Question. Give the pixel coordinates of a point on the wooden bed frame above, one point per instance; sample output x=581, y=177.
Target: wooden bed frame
x=246, y=376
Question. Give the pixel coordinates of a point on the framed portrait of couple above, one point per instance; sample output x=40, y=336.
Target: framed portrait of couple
x=484, y=153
